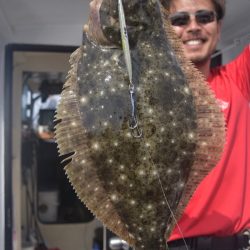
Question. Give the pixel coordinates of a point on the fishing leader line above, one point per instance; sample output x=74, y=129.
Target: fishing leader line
x=134, y=125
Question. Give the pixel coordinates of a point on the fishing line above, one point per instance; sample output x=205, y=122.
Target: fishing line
x=134, y=125
x=104, y=238
x=171, y=211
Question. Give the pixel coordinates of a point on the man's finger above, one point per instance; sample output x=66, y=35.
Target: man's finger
x=85, y=28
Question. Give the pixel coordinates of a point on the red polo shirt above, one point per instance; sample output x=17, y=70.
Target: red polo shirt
x=221, y=204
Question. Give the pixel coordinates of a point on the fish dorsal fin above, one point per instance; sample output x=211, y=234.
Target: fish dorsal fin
x=211, y=127
x=83, y=178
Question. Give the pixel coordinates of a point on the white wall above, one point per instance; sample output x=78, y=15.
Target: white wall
x=236, y=46
x=1, y=146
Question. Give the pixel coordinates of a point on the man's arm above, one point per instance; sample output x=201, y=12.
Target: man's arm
x=240, y=71
x=243, y=66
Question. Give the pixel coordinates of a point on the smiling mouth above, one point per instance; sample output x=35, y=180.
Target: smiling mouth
x=194, y=42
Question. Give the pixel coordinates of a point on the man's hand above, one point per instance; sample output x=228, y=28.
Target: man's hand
x=93, y=28
x=103, y=25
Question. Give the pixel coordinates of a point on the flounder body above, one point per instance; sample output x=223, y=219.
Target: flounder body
x=136, y=185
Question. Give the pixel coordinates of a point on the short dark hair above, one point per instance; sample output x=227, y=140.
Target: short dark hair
x=219, y=6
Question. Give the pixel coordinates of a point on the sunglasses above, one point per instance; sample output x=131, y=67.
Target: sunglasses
x=201, y=17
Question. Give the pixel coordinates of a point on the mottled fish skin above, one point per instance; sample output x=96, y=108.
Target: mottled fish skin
x=131, y=183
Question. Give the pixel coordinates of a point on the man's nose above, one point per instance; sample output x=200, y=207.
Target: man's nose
x=193, y=25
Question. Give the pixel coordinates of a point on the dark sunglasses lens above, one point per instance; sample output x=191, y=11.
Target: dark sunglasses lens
x=179, y=19
x=204, y=16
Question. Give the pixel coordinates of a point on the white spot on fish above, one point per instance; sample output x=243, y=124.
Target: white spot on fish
x=84, y=100
x=191, y=135
x=141, y=172
x=186, y=90
x=132, y=202
x=123, y=177
x=150, y=111
x=149, y=206
x=96, y=146
x=108, y=78
x=113, y=197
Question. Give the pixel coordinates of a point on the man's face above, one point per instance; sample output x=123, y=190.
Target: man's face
x=199, y=39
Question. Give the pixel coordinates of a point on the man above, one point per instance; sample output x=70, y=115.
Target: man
x=220, y=205
x=219, y=211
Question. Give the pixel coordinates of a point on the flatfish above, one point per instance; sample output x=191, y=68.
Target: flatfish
x=135, y=164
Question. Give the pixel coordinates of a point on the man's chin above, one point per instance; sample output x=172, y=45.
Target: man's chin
x=197, y=59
